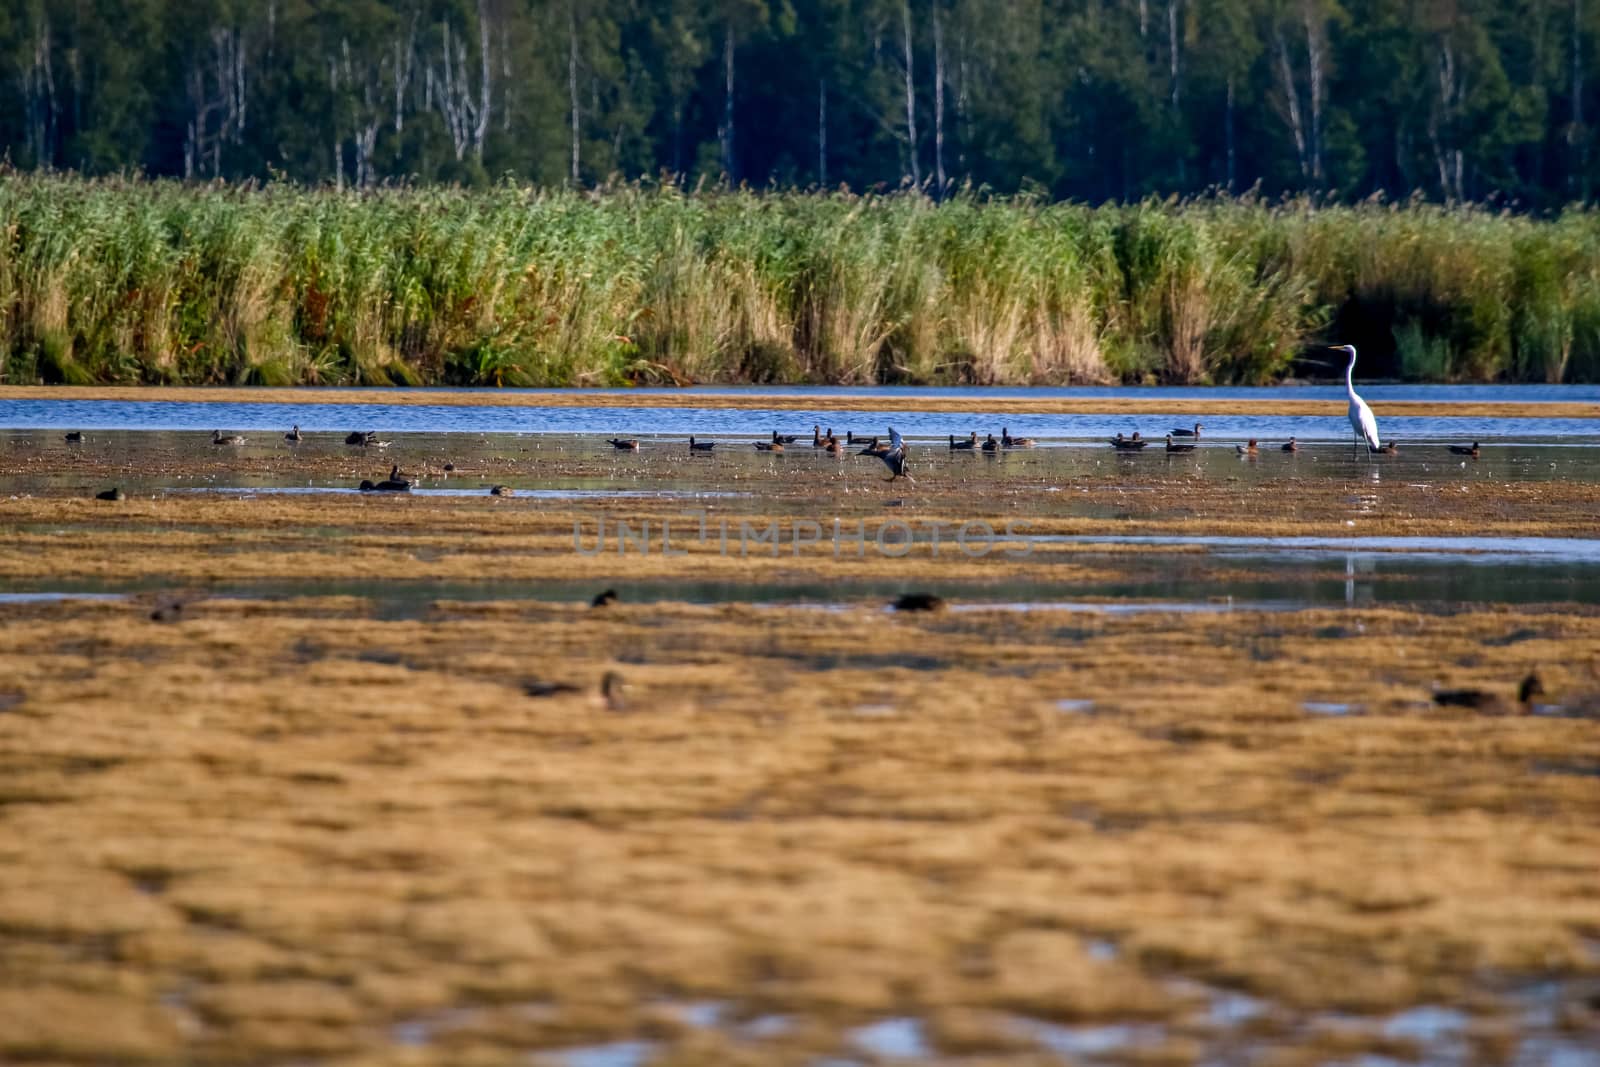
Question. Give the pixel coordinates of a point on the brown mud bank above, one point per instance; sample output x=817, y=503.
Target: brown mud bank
x=288, y=830
x=865, y=400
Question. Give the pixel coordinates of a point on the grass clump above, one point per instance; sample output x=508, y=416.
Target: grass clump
x=122, y=281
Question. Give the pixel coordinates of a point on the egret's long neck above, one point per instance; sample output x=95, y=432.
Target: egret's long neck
x=1349, y=385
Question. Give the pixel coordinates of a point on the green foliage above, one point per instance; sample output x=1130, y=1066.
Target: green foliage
x=152, y=281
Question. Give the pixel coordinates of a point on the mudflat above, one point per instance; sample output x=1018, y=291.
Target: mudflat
x=249, y=829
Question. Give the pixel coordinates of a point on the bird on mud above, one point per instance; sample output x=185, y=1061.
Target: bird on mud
x=231, y=439
x=1291, y=445
x=1249, y=448
x=1188, y=433
x=990, y=444
x=74, y=437
x=622, y=444
x=768, y=446
x=961, y=446
x=360, y=437
x=918, y=602
x=1465, y=450
x=1127, y=444
x=1178, y=448
x=1007, y=441
x=700, y=446
x=1388, y=448
x=1363, y=423
x=294, y=436
x=1492, y=703
x=111, y=494
x=873, y=445
x=894, y=458
x=784, y=438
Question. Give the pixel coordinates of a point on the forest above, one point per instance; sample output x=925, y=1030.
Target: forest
x=1090, y=100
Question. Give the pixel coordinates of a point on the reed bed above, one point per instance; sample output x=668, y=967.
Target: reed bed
x=154, y=282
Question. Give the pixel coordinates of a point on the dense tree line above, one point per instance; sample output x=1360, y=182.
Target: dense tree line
x=1091, y=99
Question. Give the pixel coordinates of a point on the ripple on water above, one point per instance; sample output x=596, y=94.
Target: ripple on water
x=900, y=1038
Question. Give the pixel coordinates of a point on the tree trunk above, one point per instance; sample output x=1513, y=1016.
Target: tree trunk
x=486, y=85
x=911, y=96
x=1315, y=31
x=1227, y=130
x=572, y=81
x=822, y=133
x=726, y=132
x=938, y=99
x=1291, y=94
x=1580, y=135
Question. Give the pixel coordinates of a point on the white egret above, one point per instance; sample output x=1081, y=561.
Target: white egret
x=1363, y=424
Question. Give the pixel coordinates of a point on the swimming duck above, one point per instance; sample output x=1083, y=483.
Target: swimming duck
x=74, y=436
x=817, y=440
x=111, y=494
x=1388, y=448
x=872, y=446
x=894, y=458
x=1492, y=703
x=1464, y=450
x=604, y=598
x=1249, y=448
x=918, y=602
x=1290, y=445
x=1177, y=448
x=294, y=435
x=831, y=445
x=1126, y=444
x=388, y=485
x=502, y=490
x=769, y=446
x=961, y=446
x=990, y=444
x=1188, y=433
x=784, y=439
x=396, y=477
x=1007, y=441
x=231, y=439
x=623, y=444
x=700, y=446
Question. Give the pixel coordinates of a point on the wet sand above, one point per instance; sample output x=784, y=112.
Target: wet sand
x=291, y=830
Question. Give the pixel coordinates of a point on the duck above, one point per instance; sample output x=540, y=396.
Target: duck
x=831, y=445
x=74, y=436
x=1388, y=448
x=894, y=457
x=784, y=439
x=1177, y=448
x=396, y=477
x=1188, y=433
x=769, y=446
x=294, y=435
x=1249, y=448
x=388, y=485
x=872, y=446
x=1127, y=444
x=605, y=598
x=918, y=602
x=231, y=439
x=990, y=444
x=111, y=494
x=1290, y=445
x=358, y=437
x=960, y=446
x=1007, y=441
x=171, y=611
x=1465, y=450
x=623, y=444
x=502, y=490
x=1492, y=703
x=817, y=440
x=700, y=446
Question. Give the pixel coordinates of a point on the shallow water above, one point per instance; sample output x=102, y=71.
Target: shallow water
x=334, y=415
